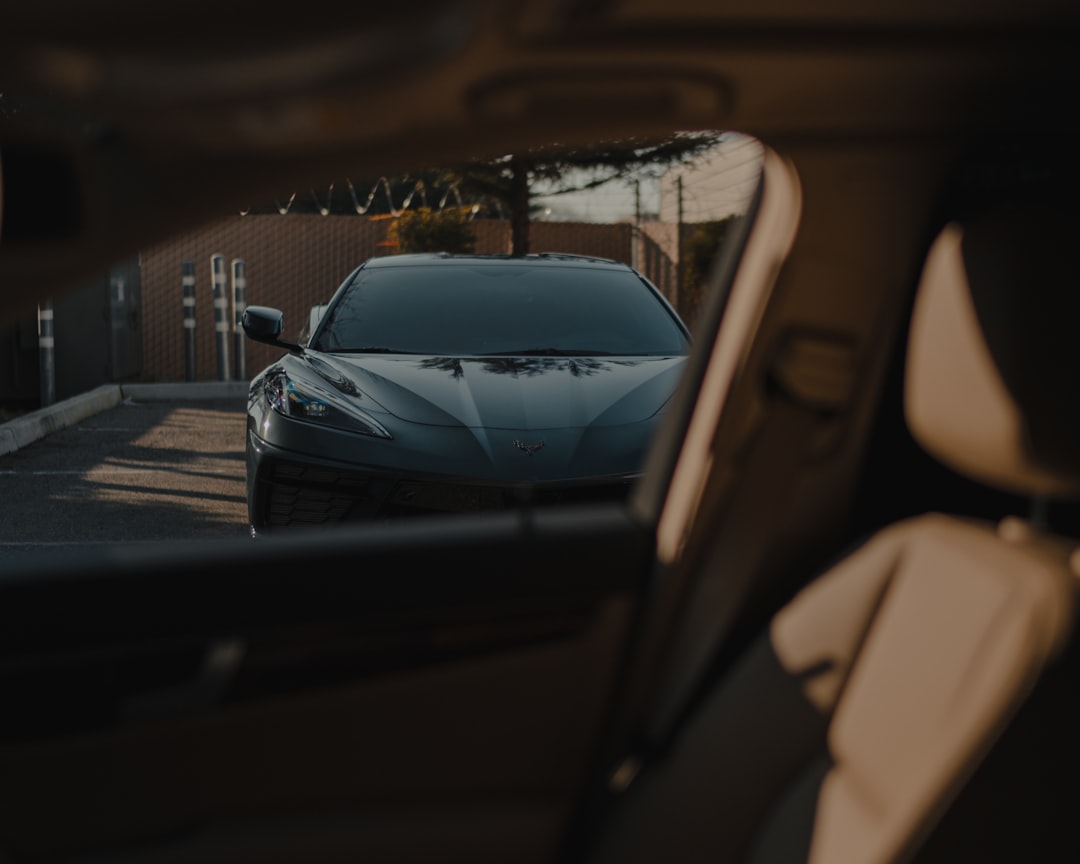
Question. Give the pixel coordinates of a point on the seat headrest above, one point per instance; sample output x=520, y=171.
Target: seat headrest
x=994, y=351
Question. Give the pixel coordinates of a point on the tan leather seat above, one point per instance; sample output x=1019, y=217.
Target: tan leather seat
x=850, y=728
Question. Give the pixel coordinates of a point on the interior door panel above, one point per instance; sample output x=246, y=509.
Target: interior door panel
x=410, y=689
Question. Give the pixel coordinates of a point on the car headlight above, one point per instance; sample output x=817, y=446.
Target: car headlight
x=303, y=402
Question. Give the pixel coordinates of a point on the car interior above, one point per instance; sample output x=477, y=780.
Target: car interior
x=835, y=621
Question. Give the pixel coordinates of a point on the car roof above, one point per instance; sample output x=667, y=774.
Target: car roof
x=532, y=260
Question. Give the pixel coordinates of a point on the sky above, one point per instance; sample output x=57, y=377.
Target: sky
x=611, y=202
x=717, y=184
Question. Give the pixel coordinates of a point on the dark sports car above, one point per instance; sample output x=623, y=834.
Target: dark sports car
x=438, y=383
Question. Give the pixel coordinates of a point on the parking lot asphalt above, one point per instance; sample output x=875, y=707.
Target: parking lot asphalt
x=139, y=473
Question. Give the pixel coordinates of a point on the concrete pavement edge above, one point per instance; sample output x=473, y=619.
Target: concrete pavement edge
x=17, y=433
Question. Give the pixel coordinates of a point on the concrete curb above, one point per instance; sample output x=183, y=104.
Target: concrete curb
x=17, y=433
x=31, y=427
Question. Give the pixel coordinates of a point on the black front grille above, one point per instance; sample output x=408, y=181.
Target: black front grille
x=411, y=497
x=302, y=495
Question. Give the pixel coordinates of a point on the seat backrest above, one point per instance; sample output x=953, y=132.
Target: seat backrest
x=850, y=728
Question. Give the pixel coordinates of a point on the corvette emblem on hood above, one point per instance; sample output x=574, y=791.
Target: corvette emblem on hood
x=528, y=449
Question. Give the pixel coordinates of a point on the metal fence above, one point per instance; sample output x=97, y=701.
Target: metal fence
x=293, y=263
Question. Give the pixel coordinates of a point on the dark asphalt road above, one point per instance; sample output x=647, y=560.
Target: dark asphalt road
x=142, y=472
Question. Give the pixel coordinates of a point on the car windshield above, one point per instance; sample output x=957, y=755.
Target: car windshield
x=458, y=308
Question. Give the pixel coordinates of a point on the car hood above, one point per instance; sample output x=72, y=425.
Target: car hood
x=506, y=392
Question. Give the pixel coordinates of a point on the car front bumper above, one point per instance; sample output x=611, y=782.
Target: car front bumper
x=287, y=490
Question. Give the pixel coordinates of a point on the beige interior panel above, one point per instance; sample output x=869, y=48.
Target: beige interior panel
x=967, y=621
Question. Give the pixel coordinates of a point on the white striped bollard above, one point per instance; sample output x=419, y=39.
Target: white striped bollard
x=188, y=280
x=239, y=291
x=47, y=353
x=221, y=315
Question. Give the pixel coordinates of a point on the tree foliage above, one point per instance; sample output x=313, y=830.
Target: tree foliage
x=427, y=230
x=508, y=183
x=698, y=253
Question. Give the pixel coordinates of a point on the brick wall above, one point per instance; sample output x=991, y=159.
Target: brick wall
x=295, y=262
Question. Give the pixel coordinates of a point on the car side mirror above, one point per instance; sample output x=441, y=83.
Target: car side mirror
x=263, y=324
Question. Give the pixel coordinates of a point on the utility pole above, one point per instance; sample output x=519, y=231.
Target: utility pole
x=635, y=241
x=679, y=243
